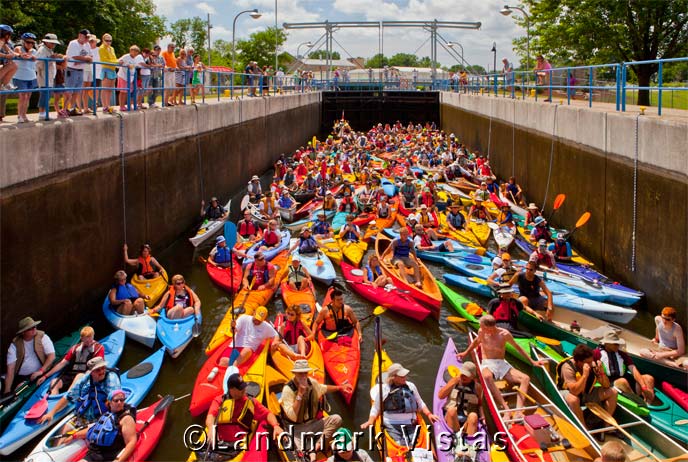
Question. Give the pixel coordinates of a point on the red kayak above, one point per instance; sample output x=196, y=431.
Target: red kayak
x=342, y=355
x=402, y=207
x=680, y=396
x=224, y=278
x=392, y=299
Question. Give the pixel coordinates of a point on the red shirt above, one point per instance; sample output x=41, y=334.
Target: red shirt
x=235, y=432
x=97, y=347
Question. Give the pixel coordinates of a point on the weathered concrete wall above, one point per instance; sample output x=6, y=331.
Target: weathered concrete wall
x=61, y=235
x=592, y=164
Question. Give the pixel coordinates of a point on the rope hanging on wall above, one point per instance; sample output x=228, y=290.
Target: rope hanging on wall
x=124, y=181
x=551, y=157
x=513, y=140
x=635, y=193
x=489, y=133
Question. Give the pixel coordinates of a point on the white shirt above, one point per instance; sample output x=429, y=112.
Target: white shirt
x=77, y=49
x=31, y=362
x=88, y=74
x=251, y=336
x=390, y=418
x=129, y=62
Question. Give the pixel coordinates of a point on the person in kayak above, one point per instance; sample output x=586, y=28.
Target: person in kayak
x=343, y=448
x=422, y=239
x=260, y=274
x=221, y=255
x=30, y=354
x=561, y=248
x=543, y=257
x=271, y=237
x=113, y=436
x=493, y=340
x=268, y=206
x=540, y=231
x=577, y=375
x=506, y=217
x=400, y=403
x=514, y=192
x=478, y=210
x=179, y=301
x=255, y=190
x=347, y=204
x=402, y=249
x=294, y=331
x=75, y=361
x=425, y=219
x=455, y=219
x=337, y=317
x=286, y=201
x=349, y=232
x=289, y=180
x=529, y=286
x=409, y=194
x=124, y=298
x=234, y=416
x=298, y=277
x=669, y=339
x=214, y=211
x=482, y=193
x=372, y=273
x=248, y=229
x=464, y=395
x=532, y=213
x=322, y=228
x=147, y=267
x=303, y=406
x=505, y=308
x=619, y=367
x=504, y=271
x=89, y=396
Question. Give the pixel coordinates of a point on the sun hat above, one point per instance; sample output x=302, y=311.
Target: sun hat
x=51, y=38
x=261, y=314
x=468, y=369
x=255, y=177
x=301, y=365
x=26, y=324
x=96, y=363
x=611, y=337
x=539, y=220
x=220, y=239
x=397, y=370
x=532, y=205
x=505, y=289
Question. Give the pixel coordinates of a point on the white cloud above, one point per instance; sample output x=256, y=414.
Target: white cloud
x=206, y=8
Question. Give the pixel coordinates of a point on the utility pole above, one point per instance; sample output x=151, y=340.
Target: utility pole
x=209, y=42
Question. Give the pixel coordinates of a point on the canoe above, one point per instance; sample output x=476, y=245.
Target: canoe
x=204, y=390
x=23, y=392
x=594, y=308
x=270, y=253
x=287, y=214
x=480, y=229
x=139, y=327
x=246, y=301
x=445, y=440
x=176, y=334
x=353, y=250
x=314, y=356
x=137, y=382
x=592, y=330
x=374, y=227
x=342, y=355
x=524, y=447
x=331, y=249
x=396, y=451
x=319, y=265
x=680, y=396
x=154, y=287
x=428, y=295
x=227, y=279
x=209, y=228
x=21, y=430
x=390, y=298
x=648, y=437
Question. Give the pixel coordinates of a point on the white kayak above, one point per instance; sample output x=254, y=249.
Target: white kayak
x=209, y=228
x=139, y=327
x=318, y=265
x=503, y=235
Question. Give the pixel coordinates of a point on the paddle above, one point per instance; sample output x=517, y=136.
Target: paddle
x=456, y=319
x=581, y=222
x=558, y=201
x=376, y=312
x=241, y=307
x=602, y=413
x=38, y=409
x=378, y=350
x=17, y=391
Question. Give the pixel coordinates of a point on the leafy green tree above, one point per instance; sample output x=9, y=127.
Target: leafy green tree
x=404, y=60
x=425, y=61
x=260, y=47
x=377, y=61
x=597, y=32
x=322, y=54
x=190, y=32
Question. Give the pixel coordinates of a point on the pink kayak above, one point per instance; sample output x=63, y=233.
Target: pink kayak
x=680, y=396
x=392, y=299
x=224, y=278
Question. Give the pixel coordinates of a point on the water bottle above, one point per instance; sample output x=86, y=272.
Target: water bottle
x=213, y=373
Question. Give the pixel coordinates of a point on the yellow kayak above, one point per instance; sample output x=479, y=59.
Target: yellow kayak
x=465, y=237
x=481, y=231
x=315, y=358
x=154, y=288
x=380, y=224
x=331, y=249
x=353, y=251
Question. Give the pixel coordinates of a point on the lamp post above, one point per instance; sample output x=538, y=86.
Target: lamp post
x=451, y=45
x=494, y=64
x=255, y=15
x=308, y=45
x=506, y=11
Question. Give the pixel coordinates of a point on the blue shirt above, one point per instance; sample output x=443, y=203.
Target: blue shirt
x=112, y=383
x=26, y=69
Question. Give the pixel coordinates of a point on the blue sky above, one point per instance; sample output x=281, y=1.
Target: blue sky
x=364, y=42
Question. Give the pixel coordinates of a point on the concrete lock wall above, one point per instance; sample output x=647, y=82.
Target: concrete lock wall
x=593, y=164
x=62, y=233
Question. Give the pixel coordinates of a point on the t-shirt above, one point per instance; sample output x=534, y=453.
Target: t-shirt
x=170, y=60
x=77, y=49
x=251, y=336
x=131, y=63
x=45, y=52
x=31, y=362
x=528, y=289
x=88, y=69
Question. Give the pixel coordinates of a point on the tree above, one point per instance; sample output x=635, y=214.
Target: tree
x=404, y=60
x=190, y=32
x=260, y=47
x=322, y=54
x=598, y=32
x=377, y=61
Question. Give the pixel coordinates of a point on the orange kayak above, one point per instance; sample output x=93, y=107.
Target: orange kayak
x=379, y=225
x=314, y=356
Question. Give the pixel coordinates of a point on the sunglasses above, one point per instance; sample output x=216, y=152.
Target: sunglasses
x=179, y=283
x=108, y=41
x=291, y=314
x=666, y=318
x=530, y=269
x=118, y=400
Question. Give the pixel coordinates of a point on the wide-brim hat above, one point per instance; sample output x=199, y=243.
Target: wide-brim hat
x=532, y=205
x=301, y=365
x=51, y=38
x=397, y=370
x=96, y=363
x=26, y=324
x=611, y=337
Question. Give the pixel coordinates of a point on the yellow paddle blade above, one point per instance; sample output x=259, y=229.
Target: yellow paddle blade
x=474, y=309
x=379, y=310
x=456, y=319
x=548, y=341
x=583, y=219
x=570, y=432
x=453, y=370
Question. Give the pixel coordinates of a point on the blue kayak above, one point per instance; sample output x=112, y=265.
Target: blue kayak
x=389, y=187
x=319, y=266
x=21, y=430
x=270, y=253
x=460, y=250
x=312, y=218
x=339, y=220
x=139, y=327
x=175, y=334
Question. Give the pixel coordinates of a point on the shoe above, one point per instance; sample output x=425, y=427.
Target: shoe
x=548, y=100
x=122, y=109
x=151, y=106
x=62, y=114
x=41, y=115
x=88, y=111
x=75, y=112
x=22, y=120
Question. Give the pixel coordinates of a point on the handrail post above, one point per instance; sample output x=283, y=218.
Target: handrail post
x=568, y=86
x=186, y=79
x=128, y=88
x=203, y=87
x=618, y=87
x=549, y=94
x=47, y=82
x=623, y=87
x=219, y=76
x=659, y=90
x=162, y=86
x=95, y=90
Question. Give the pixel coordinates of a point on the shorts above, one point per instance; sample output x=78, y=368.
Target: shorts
x=498, y=367
x=109, y=74
x=538, y=303
x=100, y=455
x=25, y=84
x=44, y=98
x=122, y=85
x=74, y=78
x=592, y=397
x=145, y=82
x=405, y=260
x=169, y=80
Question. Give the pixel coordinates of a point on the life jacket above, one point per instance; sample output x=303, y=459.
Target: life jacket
x=213, y=213
x=37, y=348
x=311, y=406
x=347, y=204
x=247, y=228
x=350, y=236
x=427, y=199
x=289, y=179
x=172, y=301
x=268, y=204
x=464, y=398
x=561, y=250
x=223, y=255
x=505, y=218
x=342, y=325
x=310, y=184
x=93, y=397
x=254, y=188
x=321, y=227
x=541, y=232
x=285, y=202
x=425, y=240
x=373, y=274
x=509, y=273
x=261, y=277
x=402, y=249
x=107, y=431
x=531, y=216
x=614, y=363
x=589, y=384
x=383, y=211
x=145, y=266
x=329, y=204
x=245, y=418
x=543, y=259
x=307, y=245
x=292, y=331
x=425, y=219
x=126, y=292
x=506, y=311
x=400, y=400
x=296, y=274
x=81, y=355
x=479, y=212
x=271, y=238
x=408, y=191
x=457, y=221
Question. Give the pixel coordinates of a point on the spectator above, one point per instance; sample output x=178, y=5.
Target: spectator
x=463, y=80
x=279, y=76
x=170, y=74
x=180, y=78
x=45, y=72
x=60, y=70
x=157, y=64
x=108, y=74
x=543, y=72
x=78, y=57
x=25, y=77
x=189, y=65
x=198, y=78
x=508, y=71
x=7, y=66
x=144, y=76
x=126, y=76
x=89, y=76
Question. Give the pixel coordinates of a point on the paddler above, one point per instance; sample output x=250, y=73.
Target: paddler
x=286, y=201
x=478, y=210
x=337, y=317
x=400, y=403
x=425, y=219
x=492, y=187
x=532, y=214
x=561, y=248
x=271, y=237
x=427, y=198
x=221, y=255
x=422, y=238
x=372, y=273
x=214, y=211
x=294, y=331
x=179, y=301
x=147, y=267
x=322, y=228
x=492, y=341
x=402, y=248
x=255, y=190
x=506, y=306
x=343, y=448
x=482, y=193
x=409, y=194
x=124, y=298
x=514, y=192
x=349, y=232
x=529, y=286
x=383, y=208
x=543, y=257
x=260, y=274
x=247, y=228
x=503, y=272
x=29, y=355
x=347, y=203
x=268, y=206
x=669, y=340
x=298, y=277
x=347, y=186
x=309, y=185
x=455, y=219
x=289, y=180
x=505, y=217
x=540, y=231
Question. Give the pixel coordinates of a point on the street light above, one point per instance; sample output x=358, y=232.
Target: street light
x=451, y=45
x=255, y=15
x=494, y=52
x=506, y=11
x=308, y=45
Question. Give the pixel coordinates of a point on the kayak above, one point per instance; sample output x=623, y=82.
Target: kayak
x=318, y=264
x=210, y=378
x=460, y=250
x=304, y=299
x=589, y=274
x=584, y=306
x=353, y=250
x=680, y=396
x=396, y=451
x=21, y=429
x=330, y=248
x=25, y=391
x=137, y=382
x=374, y=227
x=314, y=356
x=270, y=253
x=523, y=242
x=388, y=187
x=428, y=294
x=502, y=235
x=209, y=228
x=154, y=287
x=227, y=279
x=287, y=214
x=465, y=237
x=256, y=450
x=445, y=440
x=308, y=221
x=339, y=220
x=592, y=331
x=480, y=230
x=176, y=334
x=541, y=414
x=388, y=297
x=138, y=327
x=342, y=355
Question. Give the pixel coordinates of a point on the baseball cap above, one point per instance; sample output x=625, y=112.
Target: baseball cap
x=236, y=381
x=220, y=239
x=542, y=243
x=468, y=369
x=261, y=314
x=397, y=370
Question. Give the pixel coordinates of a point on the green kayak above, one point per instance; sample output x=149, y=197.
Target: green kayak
x=25, y=390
